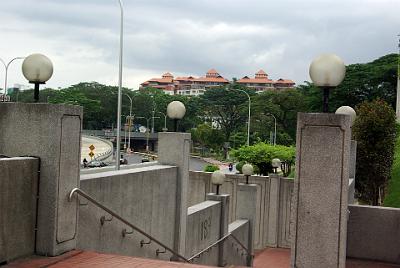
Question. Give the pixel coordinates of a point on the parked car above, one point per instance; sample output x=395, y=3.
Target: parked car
x=96, y=163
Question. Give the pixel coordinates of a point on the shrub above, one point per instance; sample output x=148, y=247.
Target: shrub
x=261, y=154
x=211, y=168
x=239, y=166
x=375, y=132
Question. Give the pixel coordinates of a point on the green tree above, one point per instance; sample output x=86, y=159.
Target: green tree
x=375, y=132
x=227, y=107
x=261, y=155
x=207, y=136
x=284, y=105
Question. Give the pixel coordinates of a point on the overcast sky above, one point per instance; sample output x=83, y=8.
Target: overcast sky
x=237, y=38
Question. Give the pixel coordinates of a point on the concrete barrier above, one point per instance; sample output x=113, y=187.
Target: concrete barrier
x=234, y=252
x=18, y=195
x=144, y=196
x=373, y=233
x=273, y=204
x=203, y=229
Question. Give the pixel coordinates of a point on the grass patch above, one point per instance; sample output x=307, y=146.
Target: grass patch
x=392, y=198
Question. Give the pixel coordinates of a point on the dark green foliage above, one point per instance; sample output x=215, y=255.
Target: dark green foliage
x=392, y=198
x=211, y=168
x=375, y=133
x=227, y=107
x=364, y=81
x=207, y=137
x=261, y=154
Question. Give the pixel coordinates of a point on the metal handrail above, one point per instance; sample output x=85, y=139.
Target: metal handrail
x=243, y=246
x=115, y=215
x=219, y=241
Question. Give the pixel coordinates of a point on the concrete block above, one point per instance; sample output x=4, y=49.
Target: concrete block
x=246, y=208
x=273, y=210
x=52, y=133
x=18, y=196
x=235, y=254
x=374, y=233
x=203, y=226
x=224, y=222
x=174, y=149
x=320, y=191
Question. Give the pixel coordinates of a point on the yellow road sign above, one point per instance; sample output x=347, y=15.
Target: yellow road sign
x=91, y=154
x=91, y=147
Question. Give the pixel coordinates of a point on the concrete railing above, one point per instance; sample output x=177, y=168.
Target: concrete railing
x=273, y=204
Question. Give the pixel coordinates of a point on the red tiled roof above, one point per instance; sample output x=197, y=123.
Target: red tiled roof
x=167, y=74
x=284, y=81
x=212, y=71
x=211, y=79
x=184, y=78
x=247, y=80
x=261, y=72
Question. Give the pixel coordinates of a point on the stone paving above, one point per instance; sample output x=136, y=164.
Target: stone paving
x=268, y=258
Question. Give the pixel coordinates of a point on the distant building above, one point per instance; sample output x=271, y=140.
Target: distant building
x=261, y=82
x=192, y=86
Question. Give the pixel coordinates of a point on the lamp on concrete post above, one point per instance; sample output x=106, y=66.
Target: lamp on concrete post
x=176, y=110
x=347, y=110
x=217, y=178
x=247, y=170
x=276, y=163
x=37, y=69
x=327, y=71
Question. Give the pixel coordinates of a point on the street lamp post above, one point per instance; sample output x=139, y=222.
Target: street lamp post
x=249, y=115
x=274, y=127
x=6, y=65
x=121, y=36
x=147, y=130
x=37, y=69
x=129, y=122
x=165, y=129
x=327, y=71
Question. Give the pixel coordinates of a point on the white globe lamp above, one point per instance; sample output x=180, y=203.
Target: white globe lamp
x=37, y=69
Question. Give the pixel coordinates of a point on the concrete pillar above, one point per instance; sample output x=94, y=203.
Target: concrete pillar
x=353, y=159
x=273, y=210
x=320, y=191
x=52, y=133
x=224, y=222
x=174, y=149
x=246, y=204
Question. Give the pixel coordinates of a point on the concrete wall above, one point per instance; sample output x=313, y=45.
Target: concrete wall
x=53, y=133
x=234, y=252
x=273, y=204
x=18, y=191
x=374, y=233
x=203, y=229
x=144, y=196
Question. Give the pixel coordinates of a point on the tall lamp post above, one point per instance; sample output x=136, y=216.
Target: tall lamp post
x=37, y=69
x=121, y=36
x=147, y=130
x=327, y=71
x=165, y=129
x=274, y=127
x=129, y=122
x=249, y=114
x=6, y=65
